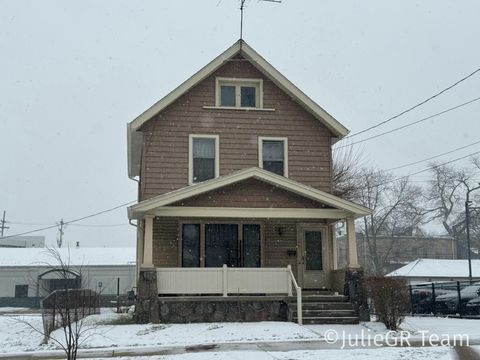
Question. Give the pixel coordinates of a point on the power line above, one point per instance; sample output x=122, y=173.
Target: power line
x=433, y=157
x=29, y=224
x=414, y=107
x=427, y=169
x=410, y=124
x=100, y=225
x=72, y=221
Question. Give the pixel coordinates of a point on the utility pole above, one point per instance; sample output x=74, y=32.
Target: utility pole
x=3, y=227
x=60, y=231
x=467, y=225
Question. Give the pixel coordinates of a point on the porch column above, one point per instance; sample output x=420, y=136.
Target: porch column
x=148, y=242
x=352, y=260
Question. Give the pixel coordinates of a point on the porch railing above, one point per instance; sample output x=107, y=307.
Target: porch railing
x=229, y=281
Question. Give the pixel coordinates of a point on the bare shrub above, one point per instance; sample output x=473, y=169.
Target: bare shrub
x=389, y=299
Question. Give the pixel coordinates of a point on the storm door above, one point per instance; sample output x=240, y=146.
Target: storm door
x=312, y=258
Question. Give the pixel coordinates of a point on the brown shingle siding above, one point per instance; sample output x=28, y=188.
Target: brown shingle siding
x=165, y=158
x=250, y=193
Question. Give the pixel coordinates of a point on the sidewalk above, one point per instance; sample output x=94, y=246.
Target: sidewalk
x=268, y=346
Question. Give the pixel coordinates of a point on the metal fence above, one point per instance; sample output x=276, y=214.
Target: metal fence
x=62, y=307
x=458, y=298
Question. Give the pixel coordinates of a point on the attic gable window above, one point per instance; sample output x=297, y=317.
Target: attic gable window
x=273, y=155
x=203, y=159
x=239, y=93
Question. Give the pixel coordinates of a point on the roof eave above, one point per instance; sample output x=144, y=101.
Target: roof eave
x=356, y=211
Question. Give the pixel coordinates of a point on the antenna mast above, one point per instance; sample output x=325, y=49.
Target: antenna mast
x=242, y=6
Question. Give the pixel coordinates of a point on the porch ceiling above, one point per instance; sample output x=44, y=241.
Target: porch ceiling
x=162, y=205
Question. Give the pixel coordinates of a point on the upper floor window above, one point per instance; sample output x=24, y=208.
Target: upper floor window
x=239, y=93
x=273, y=155
x=203, y=158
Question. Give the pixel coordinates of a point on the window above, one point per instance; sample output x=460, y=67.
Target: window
x=313, y=250
x=21, y=291
x=203, y=158
x=273, y=155
x=239, y=93
x=191, y=245
x=251, y=245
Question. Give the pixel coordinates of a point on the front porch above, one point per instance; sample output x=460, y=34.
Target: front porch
x=279, y=247
x=222, y=256
x=291, y=258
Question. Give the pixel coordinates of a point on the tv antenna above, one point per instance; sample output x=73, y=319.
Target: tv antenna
x=242, y=7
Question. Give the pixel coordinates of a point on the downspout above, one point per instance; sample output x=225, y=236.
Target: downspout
x=137, y=266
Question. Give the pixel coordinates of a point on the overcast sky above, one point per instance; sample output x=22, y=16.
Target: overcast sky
x=74, y=73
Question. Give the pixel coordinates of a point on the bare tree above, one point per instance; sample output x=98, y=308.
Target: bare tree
x=447, y=194
x=66, y=307
x=346, y=169
x=397, y=209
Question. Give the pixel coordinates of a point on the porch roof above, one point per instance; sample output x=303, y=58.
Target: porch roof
x=158, y=205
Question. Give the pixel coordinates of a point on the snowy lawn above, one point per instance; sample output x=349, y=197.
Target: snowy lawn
x=440, y=325
x=16, y=336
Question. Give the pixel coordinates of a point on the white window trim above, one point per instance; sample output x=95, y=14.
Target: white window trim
x=190, y=154
x=285, y=151
x=238, y=82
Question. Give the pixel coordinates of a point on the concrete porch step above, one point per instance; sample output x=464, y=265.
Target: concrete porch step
x=322, y=306
x=309, y=320
x=317, y=292
x=325, y=313
x=320, y=298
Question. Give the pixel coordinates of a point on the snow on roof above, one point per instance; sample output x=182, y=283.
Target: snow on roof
x=76, y=256
x=438, y=268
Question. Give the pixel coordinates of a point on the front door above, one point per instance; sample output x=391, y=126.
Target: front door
x=312, y=259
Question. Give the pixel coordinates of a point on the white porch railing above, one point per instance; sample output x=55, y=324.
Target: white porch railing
x=226, y=280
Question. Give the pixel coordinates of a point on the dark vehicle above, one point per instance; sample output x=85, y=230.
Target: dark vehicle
x=453, y=303
x=421, y=298
x=473, y=307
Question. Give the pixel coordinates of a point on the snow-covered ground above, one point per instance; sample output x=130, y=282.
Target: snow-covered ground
x=114, y=331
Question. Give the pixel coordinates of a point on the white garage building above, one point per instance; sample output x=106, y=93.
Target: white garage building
x=34, y=272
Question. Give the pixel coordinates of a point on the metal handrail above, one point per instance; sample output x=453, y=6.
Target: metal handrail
x=298, y=290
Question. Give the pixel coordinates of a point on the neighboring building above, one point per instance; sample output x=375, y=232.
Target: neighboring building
x=396, y=251
x=434, y=270
x=28, y=272
x=22, y=242
x=235, y=169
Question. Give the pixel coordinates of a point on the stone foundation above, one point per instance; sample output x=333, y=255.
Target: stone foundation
x=146, y=306
x=218, y=309
x=355, y=292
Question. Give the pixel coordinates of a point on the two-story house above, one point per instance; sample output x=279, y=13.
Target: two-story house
x=235, y=194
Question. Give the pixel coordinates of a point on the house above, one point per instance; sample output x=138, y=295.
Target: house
x=396, y=251
x=234, y=171
x=28, y=275
x=437, y=270
x=22, y=241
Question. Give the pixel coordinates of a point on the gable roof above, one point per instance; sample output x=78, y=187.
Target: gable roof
x=441, y=268
x=143, y=207
x=242, y=48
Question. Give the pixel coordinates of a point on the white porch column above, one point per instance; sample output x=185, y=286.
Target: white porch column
x=352, y=260
x=148, y=242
